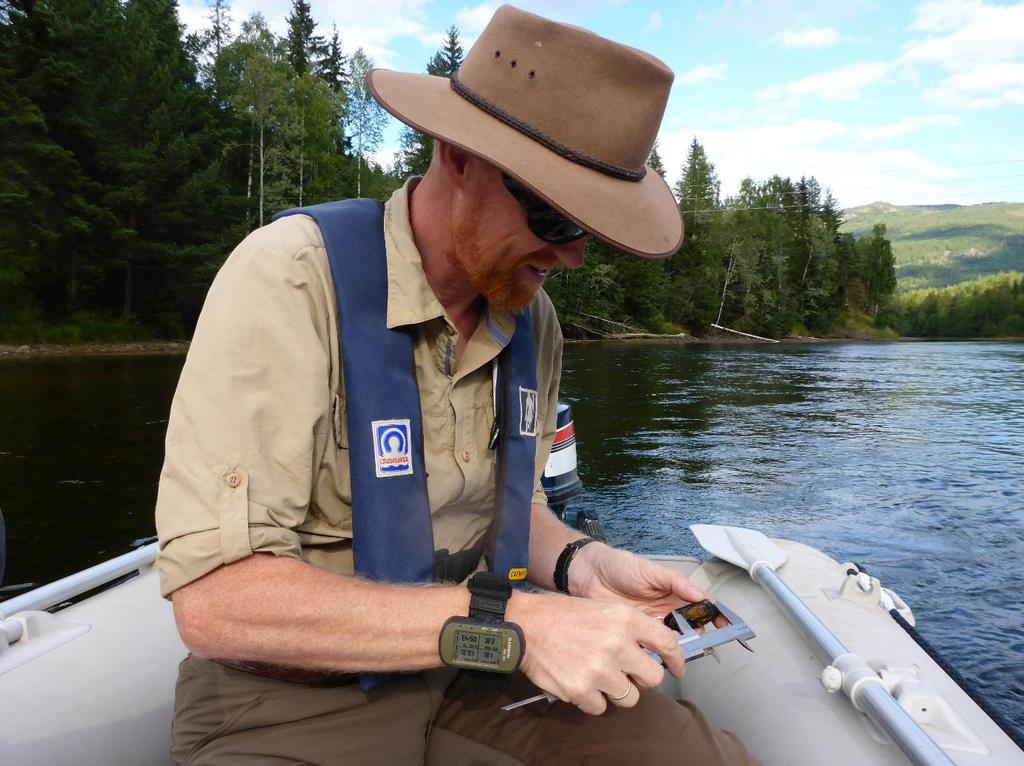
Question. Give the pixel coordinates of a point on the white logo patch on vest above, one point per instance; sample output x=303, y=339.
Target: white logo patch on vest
x=527, y=412
x=393, y=447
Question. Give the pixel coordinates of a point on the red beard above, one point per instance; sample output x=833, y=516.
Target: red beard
x=492, y=271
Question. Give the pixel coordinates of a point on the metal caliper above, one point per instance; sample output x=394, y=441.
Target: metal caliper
x=694, y=644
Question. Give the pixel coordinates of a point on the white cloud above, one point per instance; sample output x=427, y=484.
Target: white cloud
x=701, y=73
x=987, y=34
x=808, y=147
x=981, y=87
x=473, y=20
x=900, y=128
x=944, y=15
x=822, y=37
x=193, y=17
x=979, y=46
x=385, y=157
x=375, y=27
x=733, y=115
x=844, y=83
x=761, y=19
x=654, y=21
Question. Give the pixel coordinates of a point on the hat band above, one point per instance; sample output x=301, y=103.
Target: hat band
x=558, y=148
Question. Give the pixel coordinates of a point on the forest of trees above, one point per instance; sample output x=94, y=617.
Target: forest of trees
x=988, y=307
x=769, y=261
x=135, y=156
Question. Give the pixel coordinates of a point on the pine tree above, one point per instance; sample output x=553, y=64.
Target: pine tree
x=877, y=268
x=655, y=162
x=417, y=149
x=305, y=47
x=36, y=173
x=697, y=271
x=220, y=25
x=448, y=59
x=52, y=62
x=150, y=152
x=332, y=69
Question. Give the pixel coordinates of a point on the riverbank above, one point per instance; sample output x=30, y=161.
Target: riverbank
x=133, y=348
x=142, y=348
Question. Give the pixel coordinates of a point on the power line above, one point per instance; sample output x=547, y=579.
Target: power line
x=961, y=181
x=922, y=170
x=1016, y=190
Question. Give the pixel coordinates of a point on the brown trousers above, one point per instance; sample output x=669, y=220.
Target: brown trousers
x=226, y=717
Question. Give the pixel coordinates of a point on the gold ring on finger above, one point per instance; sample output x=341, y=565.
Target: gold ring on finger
x=629, y=688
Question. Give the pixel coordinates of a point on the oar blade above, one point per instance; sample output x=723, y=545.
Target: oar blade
x=739, y=546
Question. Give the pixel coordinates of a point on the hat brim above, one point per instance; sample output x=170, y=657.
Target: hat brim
x=641, y=218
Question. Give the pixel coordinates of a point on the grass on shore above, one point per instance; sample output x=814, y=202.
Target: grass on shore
x=79, y=328
x=858, y=326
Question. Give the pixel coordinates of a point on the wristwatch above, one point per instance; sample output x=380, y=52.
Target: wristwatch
x=483, y=640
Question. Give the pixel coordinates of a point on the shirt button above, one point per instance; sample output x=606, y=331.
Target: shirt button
x=233, y=480
x=465, y=456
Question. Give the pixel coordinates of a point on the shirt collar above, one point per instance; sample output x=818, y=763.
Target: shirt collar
x=410, y=299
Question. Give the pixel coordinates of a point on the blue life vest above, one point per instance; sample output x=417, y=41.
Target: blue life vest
x=391, y=524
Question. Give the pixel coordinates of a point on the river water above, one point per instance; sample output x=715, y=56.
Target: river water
x=906, y=457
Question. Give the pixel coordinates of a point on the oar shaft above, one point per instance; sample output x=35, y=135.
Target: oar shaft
x=826, y=645
x=887, y=714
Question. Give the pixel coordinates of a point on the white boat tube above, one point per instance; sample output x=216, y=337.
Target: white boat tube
x=860, y=682
x=71, y=586
x=844, y=670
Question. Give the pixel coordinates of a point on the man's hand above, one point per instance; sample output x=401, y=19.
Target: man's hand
x=607, y=574
x=590, y=652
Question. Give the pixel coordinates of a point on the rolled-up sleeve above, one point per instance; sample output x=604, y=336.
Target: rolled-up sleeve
x=253, y=408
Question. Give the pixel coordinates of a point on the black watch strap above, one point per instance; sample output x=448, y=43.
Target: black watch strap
x=489, y=595
x=561, y=575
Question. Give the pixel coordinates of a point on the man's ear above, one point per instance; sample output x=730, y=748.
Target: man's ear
x=454, y=161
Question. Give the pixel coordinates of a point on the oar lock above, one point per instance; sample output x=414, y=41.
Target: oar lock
x=851, y=673
x=859, y=586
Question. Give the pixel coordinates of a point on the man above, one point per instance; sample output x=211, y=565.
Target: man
x=298, y=462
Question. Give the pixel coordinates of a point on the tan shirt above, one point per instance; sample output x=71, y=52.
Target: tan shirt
x=257, y=444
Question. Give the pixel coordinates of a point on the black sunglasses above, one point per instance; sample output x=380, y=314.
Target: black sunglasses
x=543, y=220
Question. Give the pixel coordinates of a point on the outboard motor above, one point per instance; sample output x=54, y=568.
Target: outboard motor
x=560, y=480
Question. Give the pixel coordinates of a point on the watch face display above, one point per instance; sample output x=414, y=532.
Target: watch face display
x=474, y=647
x=469, y=643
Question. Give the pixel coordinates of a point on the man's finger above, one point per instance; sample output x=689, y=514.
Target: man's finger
x=663, y=640
x=686, y=590
x=644, y=671
x=676, y=583
x=627, y=699
x=592, y=704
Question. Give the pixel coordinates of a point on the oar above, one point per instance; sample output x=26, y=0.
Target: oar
x=757, y=554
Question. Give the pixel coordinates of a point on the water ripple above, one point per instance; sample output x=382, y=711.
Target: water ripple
x=906, y=457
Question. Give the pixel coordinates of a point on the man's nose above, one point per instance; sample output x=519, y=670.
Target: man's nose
x=570, y=254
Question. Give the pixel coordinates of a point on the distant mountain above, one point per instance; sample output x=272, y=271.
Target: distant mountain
x=939, y=245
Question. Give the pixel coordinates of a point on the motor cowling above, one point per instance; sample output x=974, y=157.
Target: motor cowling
x=561, y=482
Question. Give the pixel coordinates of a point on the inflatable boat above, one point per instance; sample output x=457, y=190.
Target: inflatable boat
x=88, y=663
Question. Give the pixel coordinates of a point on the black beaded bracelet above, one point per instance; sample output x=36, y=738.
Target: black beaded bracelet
x=564, y=559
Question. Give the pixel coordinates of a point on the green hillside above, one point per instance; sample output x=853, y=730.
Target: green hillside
x=939, y=245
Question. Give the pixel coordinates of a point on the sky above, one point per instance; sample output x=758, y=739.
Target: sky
x=908, y=103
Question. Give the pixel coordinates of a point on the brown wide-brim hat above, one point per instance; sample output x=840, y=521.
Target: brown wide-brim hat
x=571, y=115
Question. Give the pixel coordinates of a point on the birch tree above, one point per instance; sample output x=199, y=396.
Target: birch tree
x=366, y=119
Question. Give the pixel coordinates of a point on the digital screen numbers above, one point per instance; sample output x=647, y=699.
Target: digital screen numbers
x=474, y=647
